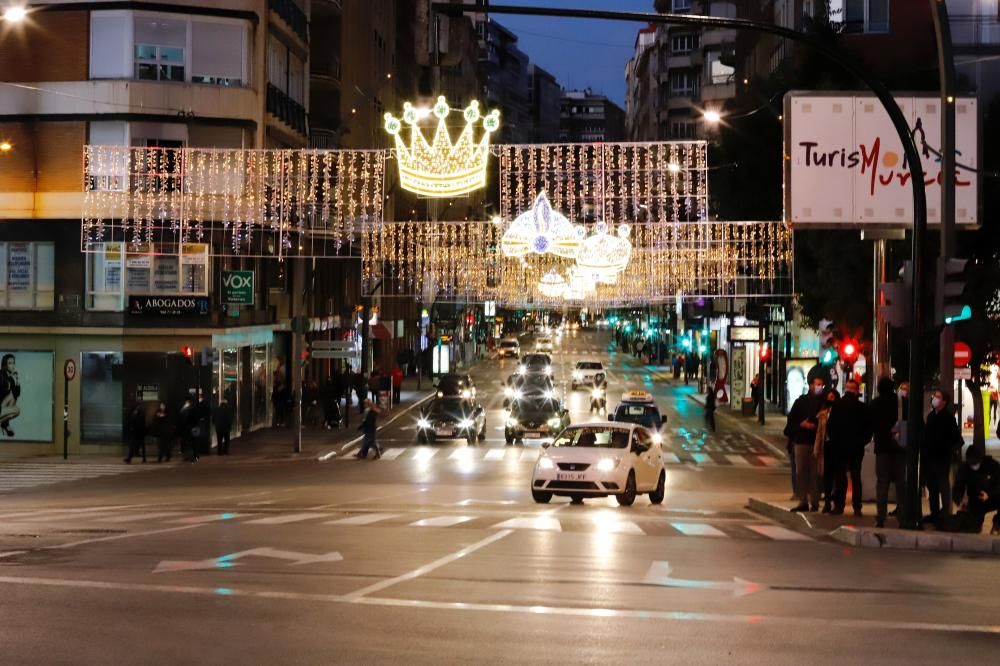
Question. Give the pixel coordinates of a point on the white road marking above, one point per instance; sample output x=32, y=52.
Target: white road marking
x=282, y=519
x=778, y=533
x=135, y=517
x=536, y=523
x=616, y=526
x=737, y=459
x=427, y=568
x=671, y=458
x=424, y=454
x=117, y=537
x=363, y=519
x=463, y=454
x=697, y=529
x=442, y=521
x=529, y=455
x=392, y=454
x=701, y=458
x=495, y=454
x=211, y=518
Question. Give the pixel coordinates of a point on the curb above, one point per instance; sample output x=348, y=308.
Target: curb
x=942, y=542
x=780, y=514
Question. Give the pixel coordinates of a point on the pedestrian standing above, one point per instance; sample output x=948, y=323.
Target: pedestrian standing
x=801, y=427
x=368, y=429
x=223, y=419
x=397, y=384
x=330, y=397
x=942, y=441
x=164, y=431
x=710, y=409
x=361, y=389
x=885, y=413
x=850, y=430
x=187, y=426
x=821, y=441
x=136, y=434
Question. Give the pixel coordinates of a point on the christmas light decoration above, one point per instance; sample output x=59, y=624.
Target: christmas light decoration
x=442, y=168
x=542, y=230
x=604, y=254
x=552, y=284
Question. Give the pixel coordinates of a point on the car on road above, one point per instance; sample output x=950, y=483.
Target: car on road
x=535, y=364
x=639, y=407
x=528, y=387
x=543, y=344
x=535, y=418
x=451, y=418
x=585, y=373
x=456, y=386
x=509, y=348
x=598, y=460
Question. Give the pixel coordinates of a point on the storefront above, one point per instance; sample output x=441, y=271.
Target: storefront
x=248, y=364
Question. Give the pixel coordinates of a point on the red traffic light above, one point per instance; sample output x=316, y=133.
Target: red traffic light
x=849, y=349
x=188, y=352
x=765, y=352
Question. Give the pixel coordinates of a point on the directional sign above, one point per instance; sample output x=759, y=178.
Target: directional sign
x=333, y=353
x=229, y=560
x=963, y=354
x=334, y=344
x=659, y=574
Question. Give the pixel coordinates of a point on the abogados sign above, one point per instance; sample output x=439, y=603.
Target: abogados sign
x=168, y=305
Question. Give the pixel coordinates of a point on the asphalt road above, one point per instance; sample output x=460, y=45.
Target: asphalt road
x=437, y=554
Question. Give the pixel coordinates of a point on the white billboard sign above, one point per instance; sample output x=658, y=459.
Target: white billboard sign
x=846, y=166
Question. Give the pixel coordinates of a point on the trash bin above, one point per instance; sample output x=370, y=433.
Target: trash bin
x=747, y=407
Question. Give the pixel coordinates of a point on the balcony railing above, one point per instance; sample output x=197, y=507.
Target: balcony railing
x=975, y=30
x=286, y=109
x=293, y=16
x=328, y=66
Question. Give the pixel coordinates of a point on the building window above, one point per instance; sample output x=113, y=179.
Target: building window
x=117, y=270
x=680, y=6
x=685, y=43
x=101, y=397
x=159, y=48
x=863, y=16
x=718, y=72
x=683, y=83
x=27, y=276
x=683, y=129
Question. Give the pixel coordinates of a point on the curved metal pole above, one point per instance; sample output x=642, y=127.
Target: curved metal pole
x=916, y=399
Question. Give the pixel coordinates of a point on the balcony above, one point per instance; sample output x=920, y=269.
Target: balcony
x=325, y=66
x=720, y=88
x=286, y=109
x=294, y=17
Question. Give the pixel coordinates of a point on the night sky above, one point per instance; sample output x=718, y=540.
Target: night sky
x=579, y=52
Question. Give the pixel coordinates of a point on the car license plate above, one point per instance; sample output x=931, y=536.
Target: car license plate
x=576, y=476
x=443, y=432
x=532, y=435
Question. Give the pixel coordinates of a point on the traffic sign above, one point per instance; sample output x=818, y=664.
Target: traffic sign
x=963, y=373
x=963, y=354
x=333, y=344
x=69, y=370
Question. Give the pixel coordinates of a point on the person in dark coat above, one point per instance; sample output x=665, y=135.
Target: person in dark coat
x=890, y=453
x=942, y=440
x=136, y=434
x=163, y=428
x=187, y=426
x=330, y=397
x=849, y=430
x=977, y=489
x=223, y=419
x=710, y=408
x=361, y=389
x=368, y=428
x=801, y=429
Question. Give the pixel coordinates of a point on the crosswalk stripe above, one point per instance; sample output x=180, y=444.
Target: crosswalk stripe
x=737, y=459
x=215, y=517
x=701, y=458
x=616, y=526
x=535, y=523
x=462, y=454
x=392, y=454
x=495, y=454
x=425, y=454
x=529, y=455
x=282, y=519
x=778, y=533
x=442, y=521
x=697, y=529
x=671, y=458
x=364, y=519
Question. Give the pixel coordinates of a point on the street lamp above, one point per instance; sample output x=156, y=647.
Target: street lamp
x=15, y=13
x=5, y=146
x=712, y=117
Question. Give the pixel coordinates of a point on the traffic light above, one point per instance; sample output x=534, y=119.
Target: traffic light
x=765, y=353
x=895, y=306
x=950, y=272
x=849, y=352
x=828, y=357
x=187, y=353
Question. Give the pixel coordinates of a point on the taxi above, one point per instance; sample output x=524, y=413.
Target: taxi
x=639, y=407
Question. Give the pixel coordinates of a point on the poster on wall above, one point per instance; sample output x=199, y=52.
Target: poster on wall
x=797, y=372
x=19, y=266
x=26, y=396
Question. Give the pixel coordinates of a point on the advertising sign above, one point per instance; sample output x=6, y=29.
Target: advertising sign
x=846, y=166
x=19, y=266
x=237, y=287
x=797, y=379
x=168, y=305
x=26, y=397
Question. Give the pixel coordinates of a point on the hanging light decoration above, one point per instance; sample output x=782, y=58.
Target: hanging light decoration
x=541, y=230
x=552, y=284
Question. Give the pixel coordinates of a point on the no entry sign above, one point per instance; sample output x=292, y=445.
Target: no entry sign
x=962, y=354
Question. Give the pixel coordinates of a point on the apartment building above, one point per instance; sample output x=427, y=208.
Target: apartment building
x=590, y=117
x=641, y=86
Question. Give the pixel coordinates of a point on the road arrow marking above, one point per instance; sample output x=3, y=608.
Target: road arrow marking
x=659, y=574
x=229, y=561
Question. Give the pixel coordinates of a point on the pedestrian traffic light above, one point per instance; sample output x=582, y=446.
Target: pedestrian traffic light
x=828, y=357
x=188, y=353
x=849, y=352
x=895, y=301
x=765, y=353
x=952, y=286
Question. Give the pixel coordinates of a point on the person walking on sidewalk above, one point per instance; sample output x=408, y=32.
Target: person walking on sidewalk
x=368, y=428
x=397, y=384
x=884, y=414
x=942, y=440
x=164, y=431
x=136, y=434
x=977, y=491
x=849, y=430
x=223, y=425
x=187, y=426
x=801, y=426
x=710, y=409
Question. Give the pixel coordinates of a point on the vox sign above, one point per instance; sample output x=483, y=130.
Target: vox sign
x=237, y=287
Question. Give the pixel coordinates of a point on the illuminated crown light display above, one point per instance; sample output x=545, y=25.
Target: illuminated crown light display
x=442, y=168
x=542, y=230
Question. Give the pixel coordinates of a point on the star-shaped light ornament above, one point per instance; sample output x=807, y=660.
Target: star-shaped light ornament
x=541, y=230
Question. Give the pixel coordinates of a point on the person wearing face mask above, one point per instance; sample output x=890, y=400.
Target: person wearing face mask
x=849, y=430
x=942, y=439
x=977, y=490
x=890, y=454
x=801, y=428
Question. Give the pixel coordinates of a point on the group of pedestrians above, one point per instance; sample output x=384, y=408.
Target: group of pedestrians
x=190, y=427
x=828, y=433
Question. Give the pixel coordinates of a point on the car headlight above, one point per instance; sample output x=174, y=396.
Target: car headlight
x=607, y=464
x=597, y=393
x=440, y=394
x=657, y=438
x=517, y=395
x=508, y=392
x=521, y=370
x=548, y=369
x=423, y=424
x=554, y=422
x=465, y=424
x=577, y=374
x=546, y=463
x=512, y=422
x=466, y=393
x=550, y=395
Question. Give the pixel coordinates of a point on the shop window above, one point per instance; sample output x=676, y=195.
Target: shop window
x=165, y=270
x=101, y=397
x=27, y=276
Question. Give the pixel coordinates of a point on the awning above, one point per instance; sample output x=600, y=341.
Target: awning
x=380, y=332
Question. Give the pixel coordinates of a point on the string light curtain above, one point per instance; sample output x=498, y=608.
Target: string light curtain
x=242, y=203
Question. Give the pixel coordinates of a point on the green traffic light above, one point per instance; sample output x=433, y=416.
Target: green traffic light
x=966, y=313
x=829, y=356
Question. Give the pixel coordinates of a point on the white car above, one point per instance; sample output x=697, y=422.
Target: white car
x=509, y=348
x=601, y=459
x=586, y=372
x=543, y=344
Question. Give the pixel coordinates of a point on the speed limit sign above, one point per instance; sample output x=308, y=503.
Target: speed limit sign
x=69, y=369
